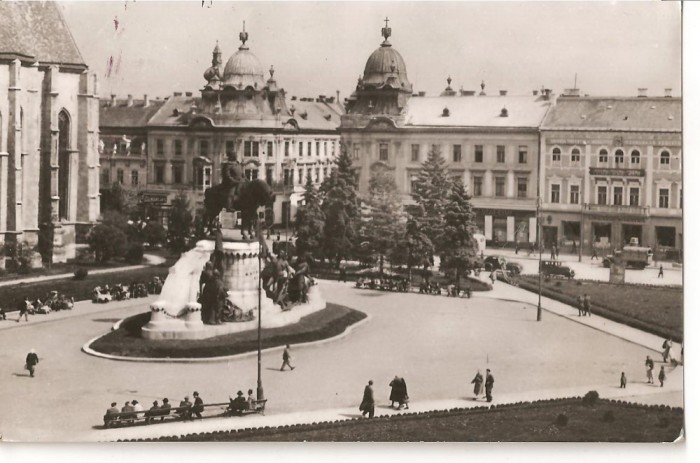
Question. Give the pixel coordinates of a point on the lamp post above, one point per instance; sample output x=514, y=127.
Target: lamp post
x=288, y=164
x=539, y=268
x=260, y=393
x=580, y=238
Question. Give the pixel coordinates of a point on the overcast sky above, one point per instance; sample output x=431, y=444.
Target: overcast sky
x=320, y=47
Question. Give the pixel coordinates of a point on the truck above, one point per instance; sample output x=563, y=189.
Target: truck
x=633, y=255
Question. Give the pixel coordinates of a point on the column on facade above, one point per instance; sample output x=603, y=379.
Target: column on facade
x=14, y=157
x=532, y=232
x=510, y=185
x=510, y=228
x=488, y=184
x=649, y=178
x=488, y=227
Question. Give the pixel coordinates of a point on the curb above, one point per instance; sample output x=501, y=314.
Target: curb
x=86, y=349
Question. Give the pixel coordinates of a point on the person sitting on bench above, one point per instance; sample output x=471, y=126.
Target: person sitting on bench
x=165, y=409
x=152, y=412
x=186, y=406
x=128, y=409
x=238, y=404
x=112, y=411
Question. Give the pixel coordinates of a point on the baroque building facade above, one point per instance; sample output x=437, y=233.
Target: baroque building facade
x=49, y=165
x=240, y=115
x=612, y=172
x=491, y=142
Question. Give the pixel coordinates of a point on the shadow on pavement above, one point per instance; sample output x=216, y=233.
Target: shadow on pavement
x=106, y=320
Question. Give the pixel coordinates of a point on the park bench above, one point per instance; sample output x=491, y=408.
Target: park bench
x=147, y=417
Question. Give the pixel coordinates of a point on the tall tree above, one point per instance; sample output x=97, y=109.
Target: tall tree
x=309, y=220
x=459, y=252
x=431, y=193
x=179, y=223
x=382, y=227
x=413, y=248
x=116, y=198
x=341, y=208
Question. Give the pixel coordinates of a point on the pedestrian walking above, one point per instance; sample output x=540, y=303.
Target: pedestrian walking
x=286, y=359
x=3, y=315
x=517, y=247
x=24, y=309
x=31, y=361
x=492, y=277
x=649, y=363
x=580, y=305
x=532, y=249
x=661, y=271
x=198, y=406
x=623, y=381
x=666, y=346
x=395, y=395
x=586, y=304
x=594, y=254
x=367, y=404
x=552, y=253
x=556, y=251
x=478, y=383
x=489, y=385
x=662, y=376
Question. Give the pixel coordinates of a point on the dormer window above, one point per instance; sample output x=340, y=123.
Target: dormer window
x=446, y=112
x=504, y=112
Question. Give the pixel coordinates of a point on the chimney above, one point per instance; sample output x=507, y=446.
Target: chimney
x=467, y=92
x=177, y=93
x=503, y=92
x=146, y=101
x=641, y=93
x=535, y=92
x=130, y=101
x=188, y=94
x=337, y=95
x=571, y=92
x=421, y=93
x=667, y=92
x=113, y=100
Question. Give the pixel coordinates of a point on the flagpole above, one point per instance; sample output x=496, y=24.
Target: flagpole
x=261, y=395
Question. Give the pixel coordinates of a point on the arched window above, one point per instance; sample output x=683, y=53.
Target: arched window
x=64, y=137
x=665, y=157
x=575, y=155
x=556, y=154
x=619, y=156
x=635, y=157
x=603, y=156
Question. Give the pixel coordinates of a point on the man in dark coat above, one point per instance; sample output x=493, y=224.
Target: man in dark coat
x=198, y=406
x=489, y=385
x=367, y=404
x=213, y=296
x=31, y=362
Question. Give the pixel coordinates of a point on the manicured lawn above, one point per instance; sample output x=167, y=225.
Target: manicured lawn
x=535, y=422
x=655, y=309
x=79, y=289
x=57, y=269
x=127, y=340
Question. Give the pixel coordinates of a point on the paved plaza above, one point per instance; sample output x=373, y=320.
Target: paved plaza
x=436, y=343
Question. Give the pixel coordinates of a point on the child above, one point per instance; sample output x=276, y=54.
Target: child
x=662, y=376
x=623, y=381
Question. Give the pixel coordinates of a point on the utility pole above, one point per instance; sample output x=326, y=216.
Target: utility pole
x=539, y=269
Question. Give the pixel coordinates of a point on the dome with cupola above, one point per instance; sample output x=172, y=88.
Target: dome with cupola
x=385, y=67
x=243, y=68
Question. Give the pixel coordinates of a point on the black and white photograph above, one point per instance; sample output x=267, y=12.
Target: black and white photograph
x=286, y=221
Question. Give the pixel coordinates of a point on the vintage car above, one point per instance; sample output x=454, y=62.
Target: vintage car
x=551, y=268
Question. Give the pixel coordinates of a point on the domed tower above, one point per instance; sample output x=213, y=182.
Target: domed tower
x=384, y=87
x=213, y=74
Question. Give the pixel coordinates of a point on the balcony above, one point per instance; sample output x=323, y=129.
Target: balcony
x=604, y=209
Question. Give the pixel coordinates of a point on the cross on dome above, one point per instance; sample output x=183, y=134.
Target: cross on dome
x=386, y=30
x=243, y=36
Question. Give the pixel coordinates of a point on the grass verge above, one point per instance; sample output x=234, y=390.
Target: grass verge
x=654, y=309
x=605, y=421
x=127, y=340
x=79, y=289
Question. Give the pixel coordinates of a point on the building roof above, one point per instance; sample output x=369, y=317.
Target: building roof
x=121, y=115
x=307, y=115
x=386, y=67
x=624, y=113
x=37, y=32
x=243, y=69
x=476, y=111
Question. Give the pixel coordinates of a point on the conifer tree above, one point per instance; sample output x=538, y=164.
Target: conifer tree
x=431, y=193
x=459, y=251
x=309, y=221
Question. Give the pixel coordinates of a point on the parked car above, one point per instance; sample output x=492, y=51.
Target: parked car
x=555, y=268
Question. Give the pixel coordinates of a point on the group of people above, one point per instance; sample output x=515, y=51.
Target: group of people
x=483, y=387
x=384, y=284
x=52, y=303
x=287, y=282
x=583, y=303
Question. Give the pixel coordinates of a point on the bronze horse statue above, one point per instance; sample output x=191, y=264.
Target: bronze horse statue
x=236, y=193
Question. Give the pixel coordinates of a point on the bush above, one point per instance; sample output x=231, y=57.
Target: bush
x=590, y=398
x=106, y=242
x=153, y=233
x=80, y=274
x=134, y=253
x=609, y=417
x=562, y=420
x=558, y=283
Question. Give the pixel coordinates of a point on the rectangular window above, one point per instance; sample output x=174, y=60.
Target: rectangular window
x=619, y=157
x=663, y=197
x=251, y=174
x=159, y=173
x=318, y=174
x=556, y=190
x=308, y=148
x=286, y=148
x=288, y=177
x=500, y=153
x=270, y=148
x=522, y=187
x=177, y=145
x=120, y=176
x=634, y=196
x=476, y=186
x=415, y=153
x=247, y=149
x=602, y=194
x=522, y=154
x=160, y=147
x=204, y=148
x=456, y=153
x=356, y=153
x=574, y=194
x=301, y=176
x=105, y=177
x=617, y=195
x=318, y=148
x=256, y=148
x=478, y=153
x=500, y=186
x=177, y=174
x=134, y=178
x=575, y=156
x=268, y=176
x=383, y=151
x=230, y=149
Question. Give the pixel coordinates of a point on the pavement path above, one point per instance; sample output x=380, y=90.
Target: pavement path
x=437, y=343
